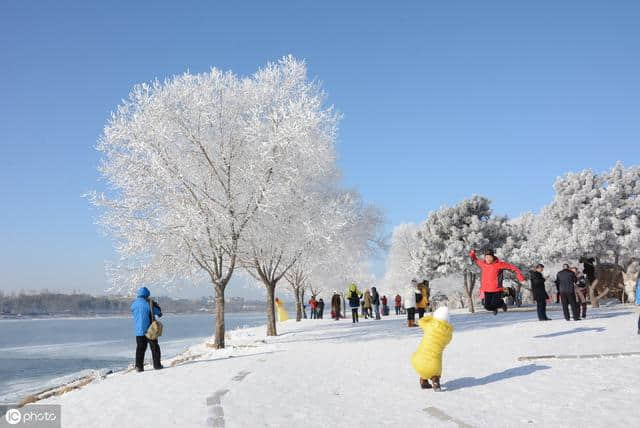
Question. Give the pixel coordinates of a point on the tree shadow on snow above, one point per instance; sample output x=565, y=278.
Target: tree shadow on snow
x=469, y=382
x=575, y=330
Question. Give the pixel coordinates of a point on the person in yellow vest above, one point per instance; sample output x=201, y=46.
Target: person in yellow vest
x=282, y=312
x=422, y=301
x=427, y=360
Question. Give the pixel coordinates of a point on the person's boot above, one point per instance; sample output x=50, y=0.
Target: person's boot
x=424, y=384
x=504, y=307
x=436, y=383
x=495, y=312
x=411, y=323
x=139, y=369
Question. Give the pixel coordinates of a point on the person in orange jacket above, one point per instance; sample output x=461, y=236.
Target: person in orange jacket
x=491, y=279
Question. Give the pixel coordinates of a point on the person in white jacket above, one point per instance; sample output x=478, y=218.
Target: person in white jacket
x=409, y=298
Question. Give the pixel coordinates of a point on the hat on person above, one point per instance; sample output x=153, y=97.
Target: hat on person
x=442, y=313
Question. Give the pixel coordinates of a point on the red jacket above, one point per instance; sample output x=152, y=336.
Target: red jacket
x=313, y=303
x=398, y=300
x=491, y=279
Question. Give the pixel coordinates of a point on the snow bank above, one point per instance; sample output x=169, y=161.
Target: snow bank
x=327, y=373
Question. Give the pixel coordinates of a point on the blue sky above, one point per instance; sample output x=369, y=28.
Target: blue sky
x=441, y=100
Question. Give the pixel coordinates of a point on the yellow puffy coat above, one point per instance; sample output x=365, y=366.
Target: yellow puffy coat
x=427, y=360
x=282, y=312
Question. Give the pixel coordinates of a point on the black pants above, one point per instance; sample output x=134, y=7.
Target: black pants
x=411, y=314
x=319, y=313
x=397, y=310
x=421, y=312
x=542, y=309
x=569, y=299
x=141, y=349
x=354, y=314
x=493, y=301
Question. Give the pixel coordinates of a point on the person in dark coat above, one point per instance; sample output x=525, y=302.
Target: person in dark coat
x=141, y=311
x=375, y=301
x=336, y=306
x=566, y=281
x=539, y=292
x=320, y=309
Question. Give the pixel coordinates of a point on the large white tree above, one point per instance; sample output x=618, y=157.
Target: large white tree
x=449, y=233
x=193, y=161
x=594, y=215
x=402, y=263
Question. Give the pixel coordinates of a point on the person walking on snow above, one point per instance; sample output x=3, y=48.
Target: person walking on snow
x=141, y=311
x=353, y=296
x=539, y=292
x=367, y=301
x=491, y=279
x=398, y=301
x=410, y=302
x=566, y=281
x=375, y=301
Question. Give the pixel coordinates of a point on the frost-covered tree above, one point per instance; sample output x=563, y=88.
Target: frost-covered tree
x=402, y=260
x=449, y=233
x=194, y=161
x=595, y=215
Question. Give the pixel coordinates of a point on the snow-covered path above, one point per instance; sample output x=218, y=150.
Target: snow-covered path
x=326, y=373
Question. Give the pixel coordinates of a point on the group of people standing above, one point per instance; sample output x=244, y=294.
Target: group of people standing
x=572, y=291
x=416, y=299
x=316, y=308
x=368, y=302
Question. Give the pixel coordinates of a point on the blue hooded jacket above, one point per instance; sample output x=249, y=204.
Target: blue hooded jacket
x=141, y=313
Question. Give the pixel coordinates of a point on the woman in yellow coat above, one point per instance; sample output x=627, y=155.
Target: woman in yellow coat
x=282, y=312
x=427, y=360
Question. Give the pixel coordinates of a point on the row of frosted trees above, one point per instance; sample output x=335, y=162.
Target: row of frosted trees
x=210, y=174
x=592, y=215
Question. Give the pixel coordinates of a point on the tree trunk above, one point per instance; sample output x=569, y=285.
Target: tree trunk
x=219, y=329
x=298, y=305
x=469, y=283
x=271, y=310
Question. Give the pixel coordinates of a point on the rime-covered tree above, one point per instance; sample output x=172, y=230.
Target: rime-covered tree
x=193, y=161
x=449, y=233
x=402, y=260
x=595, y=215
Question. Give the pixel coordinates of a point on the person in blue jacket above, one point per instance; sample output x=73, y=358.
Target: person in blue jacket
x=141, y=322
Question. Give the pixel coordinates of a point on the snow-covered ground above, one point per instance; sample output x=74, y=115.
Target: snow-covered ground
x=321, y=373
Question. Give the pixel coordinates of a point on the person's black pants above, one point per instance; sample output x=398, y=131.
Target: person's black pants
x=569, y=299
x=320, y=313
x=397, y=310
x=542, y=309
x=411, y=314
x=354, y=314
x=421, y=312
x=141, y=349
x=493, y=301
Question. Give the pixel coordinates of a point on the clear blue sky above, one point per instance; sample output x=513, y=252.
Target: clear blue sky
x=441, y=100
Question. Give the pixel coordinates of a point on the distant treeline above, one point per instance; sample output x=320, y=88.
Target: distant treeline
x=59, y=304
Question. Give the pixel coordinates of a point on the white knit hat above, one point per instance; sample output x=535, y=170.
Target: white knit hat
x=442, y=313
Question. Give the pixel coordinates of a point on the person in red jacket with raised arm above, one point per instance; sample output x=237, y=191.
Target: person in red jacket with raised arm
x=491, y=279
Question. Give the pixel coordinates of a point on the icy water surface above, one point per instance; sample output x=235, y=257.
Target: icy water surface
x=35, y=354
